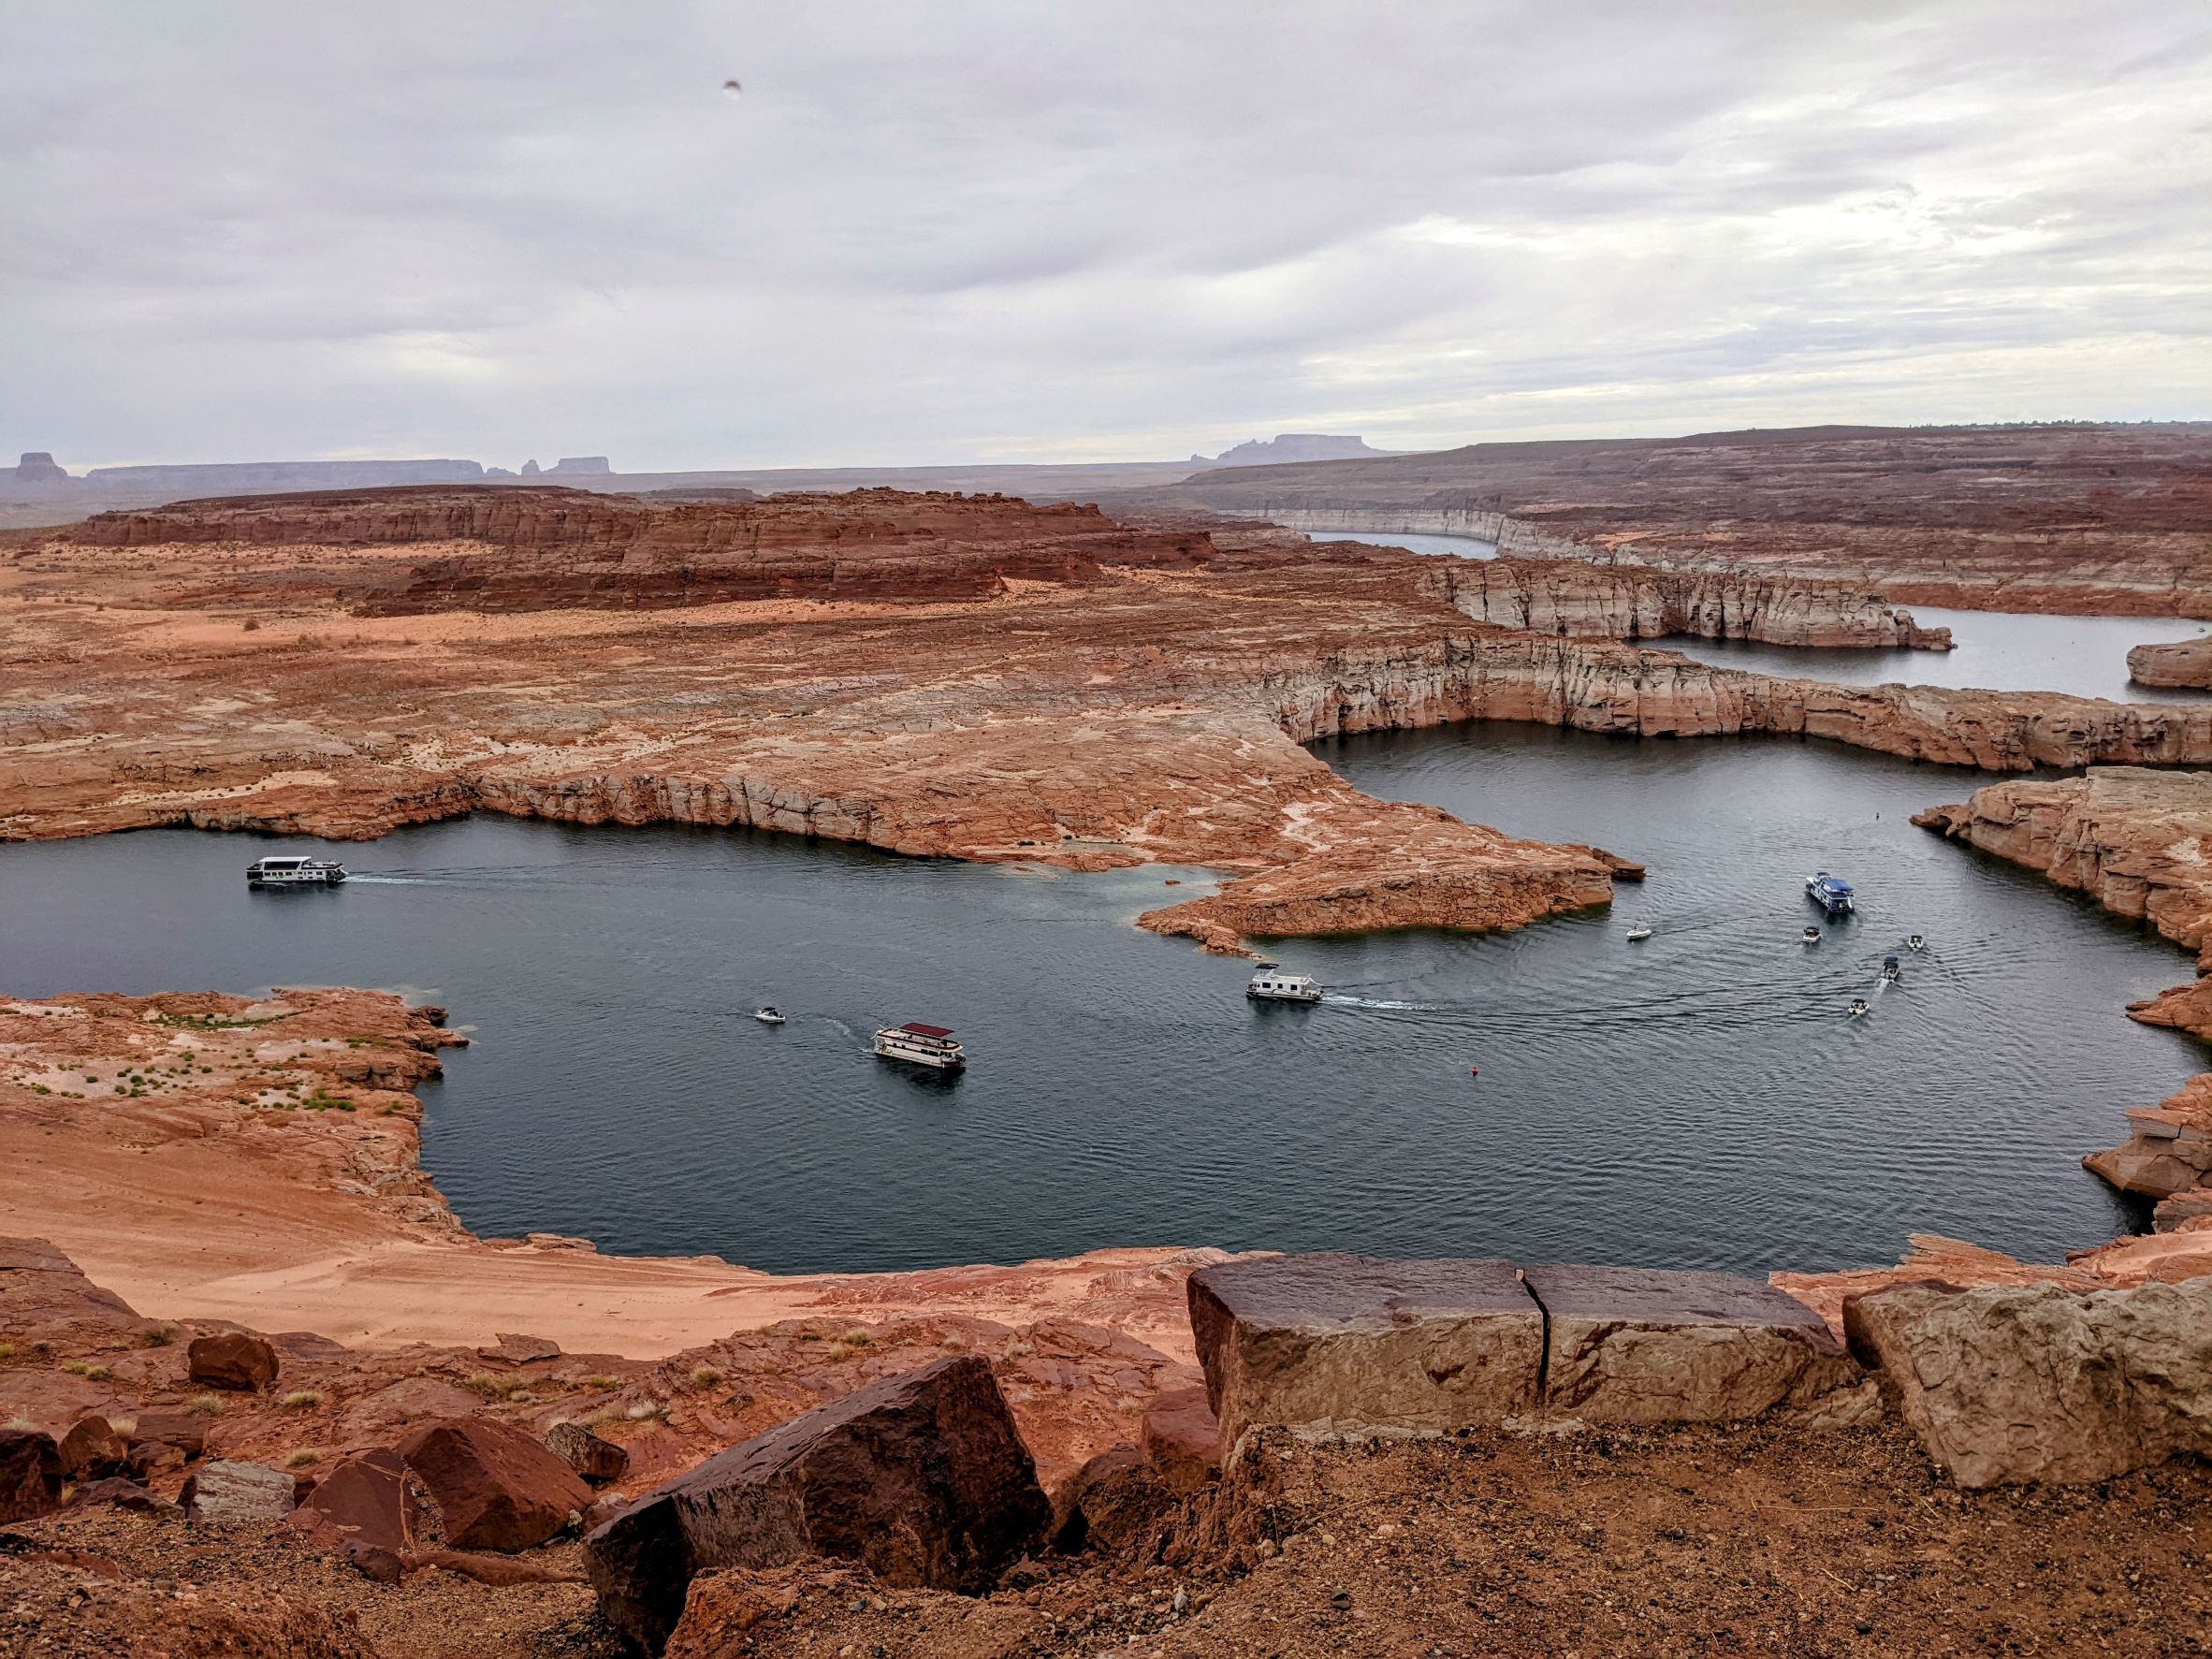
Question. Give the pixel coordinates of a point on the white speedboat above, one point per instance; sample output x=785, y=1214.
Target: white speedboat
x=1812, y=936
x=1858, y=1008
x=1889, y=968
x=768, y=1014
x=294, y=872
x=916, y=1044
x=1915, y=943
x=1270, y=983
x=1642, y=930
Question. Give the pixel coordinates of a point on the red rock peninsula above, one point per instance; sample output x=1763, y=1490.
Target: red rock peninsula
x=932, y=675
x=2077, y=518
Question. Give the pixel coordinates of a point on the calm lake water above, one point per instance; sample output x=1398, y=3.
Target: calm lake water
x=1696, y=1100
x=1451, y=547
x=1995, y=650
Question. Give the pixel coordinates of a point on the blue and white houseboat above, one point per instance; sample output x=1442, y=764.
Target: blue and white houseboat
x=1832, y=894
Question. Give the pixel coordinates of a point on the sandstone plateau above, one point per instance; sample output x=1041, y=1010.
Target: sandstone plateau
x=2079, y=518
x=931, y=674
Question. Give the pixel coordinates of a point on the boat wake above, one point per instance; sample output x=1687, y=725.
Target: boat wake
x=1391, y=1004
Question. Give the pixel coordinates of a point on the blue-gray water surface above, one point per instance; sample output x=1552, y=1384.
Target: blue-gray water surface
x=1995, y=650
x=1697, y=1099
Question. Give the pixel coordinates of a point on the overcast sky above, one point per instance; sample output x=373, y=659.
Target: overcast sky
x=1023, y=231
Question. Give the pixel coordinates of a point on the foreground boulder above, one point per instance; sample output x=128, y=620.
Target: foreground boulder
x=92, y=1449
x=1637, y=1346
x=1349, y=1343
x=597, y=1460
x=228, y=1492
x=230, y=1360
x=2038, y=1382
x=30, y=1473
x=1117, y=1503
x=1182, y=1439
x=921, y=1476
x=496, y=1488
x=364, y=1512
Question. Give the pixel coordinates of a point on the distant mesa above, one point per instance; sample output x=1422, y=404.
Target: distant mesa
x=247, y=477
x=570, y=465
x=38, y=468
x=1294, y=446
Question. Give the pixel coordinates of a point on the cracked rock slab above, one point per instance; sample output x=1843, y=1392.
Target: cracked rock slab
x=1642, y=1346
x=1339, y=1343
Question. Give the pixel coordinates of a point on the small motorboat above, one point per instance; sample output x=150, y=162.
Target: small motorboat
x=1858, y=1008
x=768, y=1014
x=1889, y=968
x=1270, y=983
x=1915, y=943
x=1812, y=936
x=1641, y=931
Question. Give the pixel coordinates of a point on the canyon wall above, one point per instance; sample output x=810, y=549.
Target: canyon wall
x=1629, y=602
x=2078, y=519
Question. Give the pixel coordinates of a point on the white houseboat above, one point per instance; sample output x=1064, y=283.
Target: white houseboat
x=917, y=1045
x=294, y=872
x=1270, y=983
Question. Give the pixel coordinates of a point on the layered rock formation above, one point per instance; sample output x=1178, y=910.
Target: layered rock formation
x=1629, y=602
x=2085, y=519
x=2185, y=663
x=1142, y=699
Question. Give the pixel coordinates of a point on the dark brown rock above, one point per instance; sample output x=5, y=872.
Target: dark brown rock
x=366, y=1511
x=522, y=1350
x=30, y=1473
x=231, y=1360
x=597, y=1460
x=227, y=1491
x=496, y=1488
x=179, y=1429
x=122, y=1495
x=1639, y=1346
x=921, y=1476
x=1182, y=1439
x=1113, y=1504
x=1350, y=1344
x=92, y=1450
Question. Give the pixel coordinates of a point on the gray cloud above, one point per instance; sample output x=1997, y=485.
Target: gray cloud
x=1000, y=230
